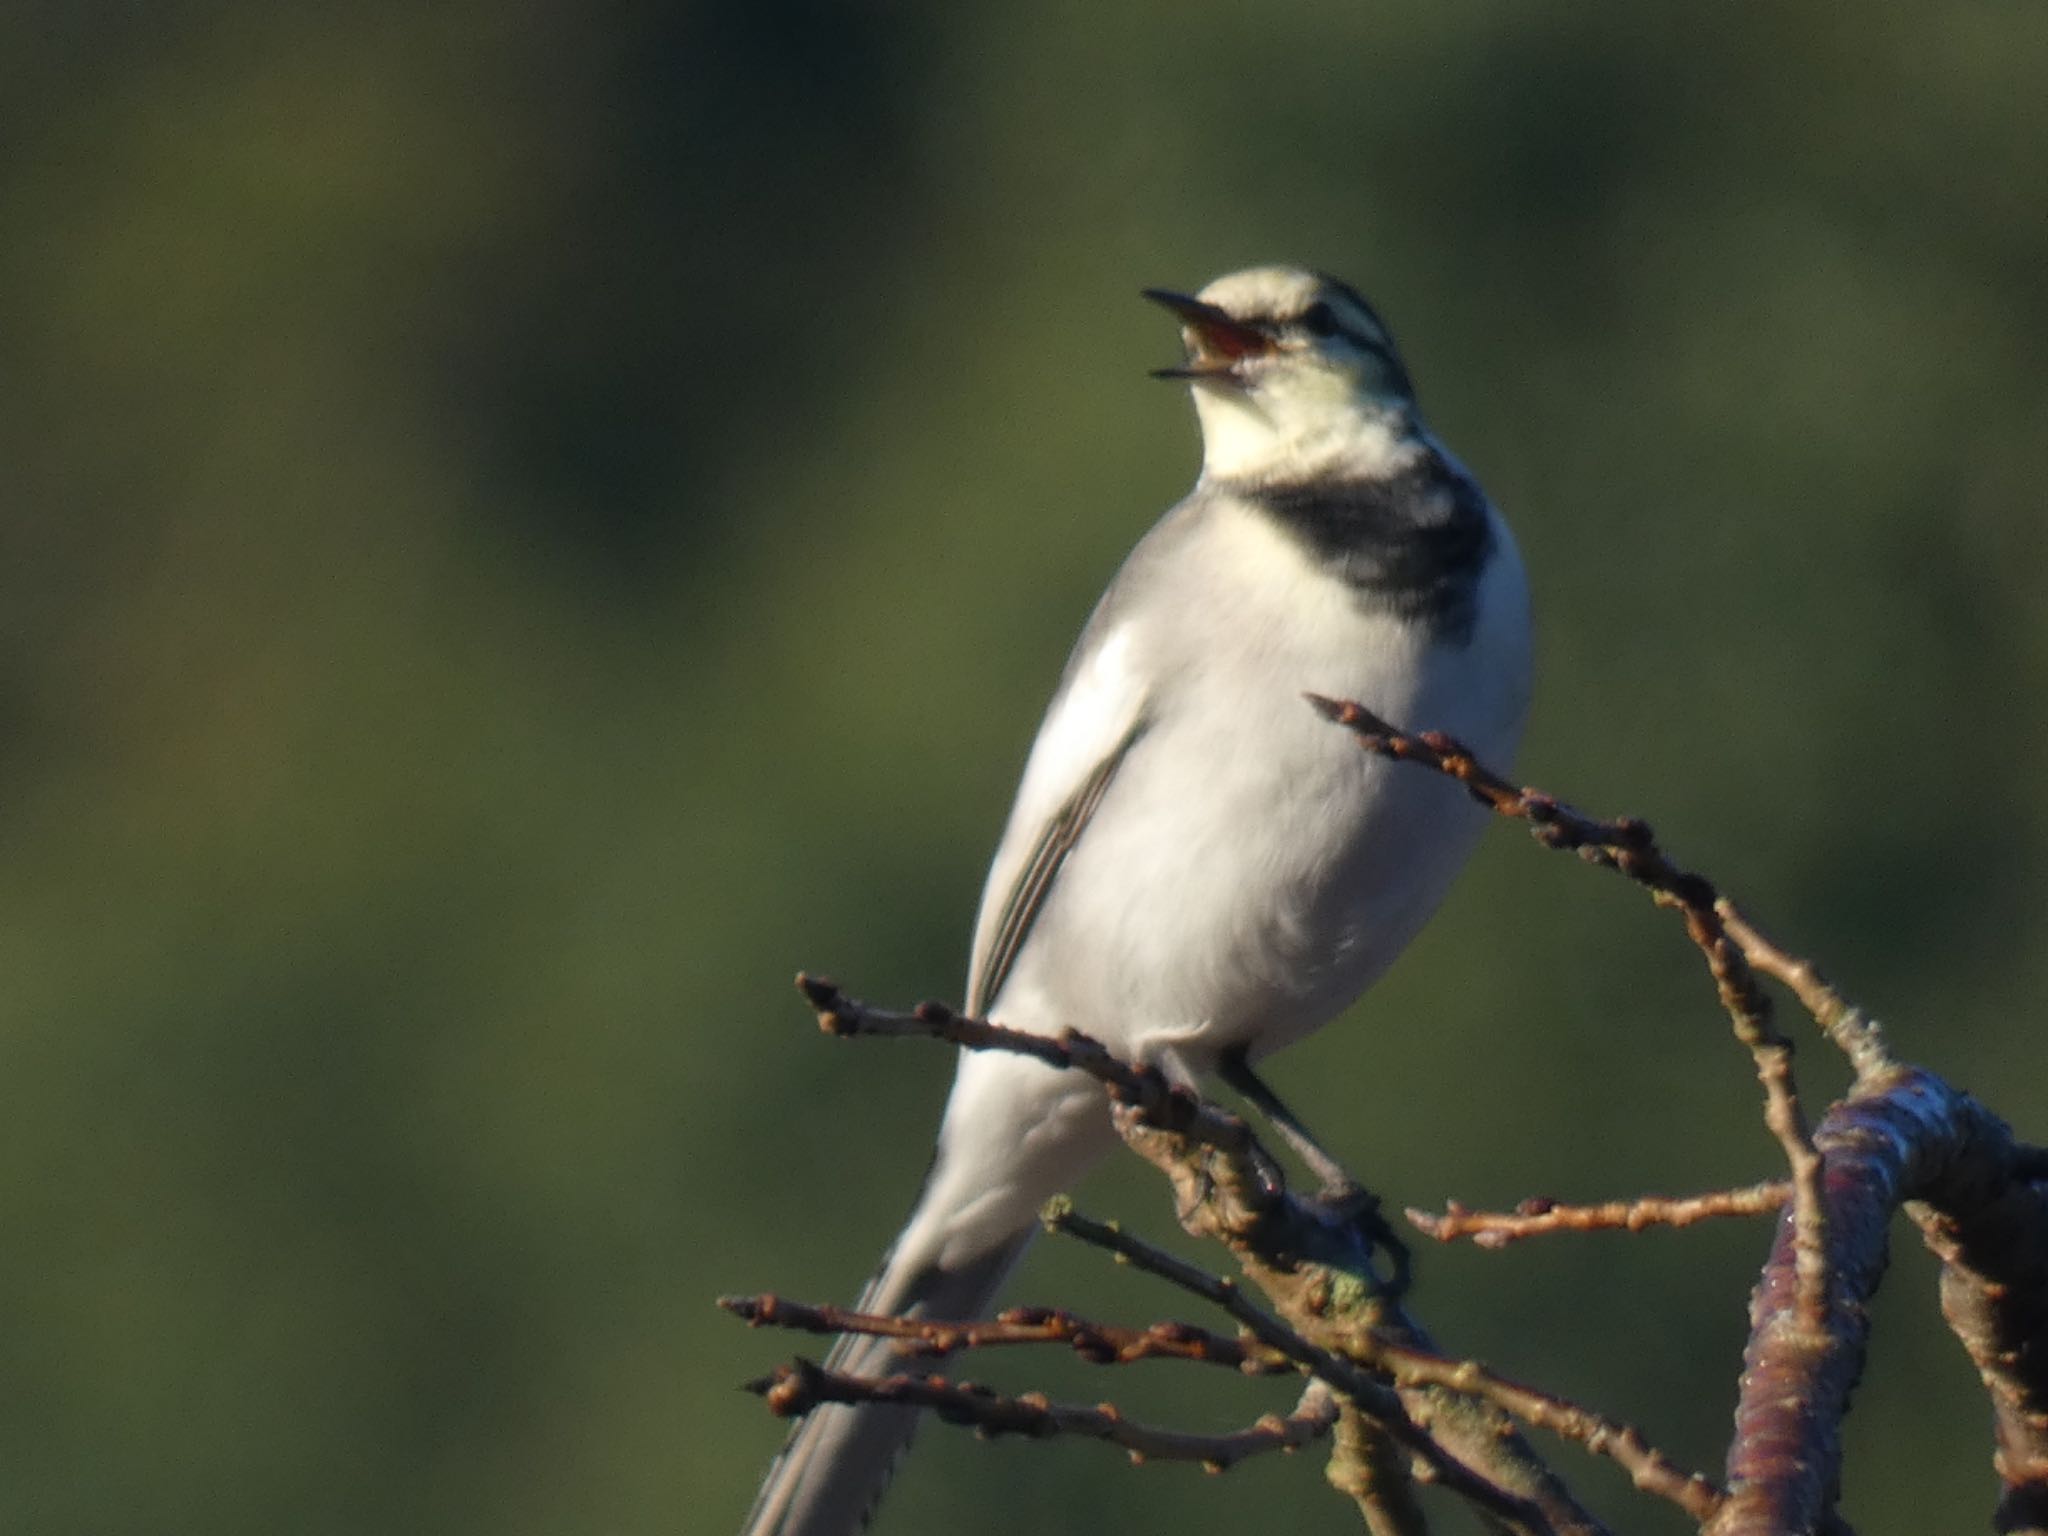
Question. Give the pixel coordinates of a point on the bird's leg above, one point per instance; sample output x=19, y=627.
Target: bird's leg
x=1343, y=1196
x=1182, y=1077
x=1335, y=1185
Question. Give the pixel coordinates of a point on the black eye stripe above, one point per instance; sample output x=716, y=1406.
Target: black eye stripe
x=1320, y=320
x=1325, y=321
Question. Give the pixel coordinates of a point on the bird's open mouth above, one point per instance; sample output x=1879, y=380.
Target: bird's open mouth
x=1217, y=343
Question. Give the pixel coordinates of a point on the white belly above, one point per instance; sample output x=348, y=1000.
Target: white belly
x=1251, y=870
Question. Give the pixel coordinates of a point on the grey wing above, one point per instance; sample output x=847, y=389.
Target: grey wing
x=1033, y=882
x=1109, y=691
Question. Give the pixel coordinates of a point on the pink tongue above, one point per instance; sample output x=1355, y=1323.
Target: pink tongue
x=1230, y=339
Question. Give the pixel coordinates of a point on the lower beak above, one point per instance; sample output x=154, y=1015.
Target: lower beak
x=1216, y=342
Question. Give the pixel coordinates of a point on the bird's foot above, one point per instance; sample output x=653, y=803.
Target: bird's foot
x=1266, y=1172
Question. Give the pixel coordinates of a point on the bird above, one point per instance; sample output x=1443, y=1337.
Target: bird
x=1199, y=869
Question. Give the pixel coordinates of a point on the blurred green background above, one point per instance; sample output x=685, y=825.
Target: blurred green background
x=526, y=524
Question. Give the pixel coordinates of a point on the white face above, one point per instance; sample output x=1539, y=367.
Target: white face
x=1306, y=383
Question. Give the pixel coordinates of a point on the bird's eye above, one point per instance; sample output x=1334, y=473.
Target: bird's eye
x=1319, y=319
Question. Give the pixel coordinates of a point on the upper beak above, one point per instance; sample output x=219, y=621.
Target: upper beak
x=1216, y=342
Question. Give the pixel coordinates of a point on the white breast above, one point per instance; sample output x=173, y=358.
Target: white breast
x=1250, y=870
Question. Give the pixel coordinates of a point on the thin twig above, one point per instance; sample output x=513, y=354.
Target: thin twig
x=1368, y=1466
x=1536, y=1218
x=1651, y=1469
x=1856, y=1034
x=1316, y=1270
x=1629, y=847
x=1145, y=1089
x=1097, y=1343
x=1356, y=1385
x=800, y=1386
x=1410, y=1365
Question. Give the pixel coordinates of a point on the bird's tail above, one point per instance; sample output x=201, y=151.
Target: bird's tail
x=1016, y=1131
x=837, y=1462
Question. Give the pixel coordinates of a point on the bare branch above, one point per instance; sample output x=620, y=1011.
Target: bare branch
x=1855, y=1034
x=1235, y=1171
x=1368, y=1467
x=1097, y=1343
x=1143, y=1088
x=1649, y=1468
x=1628, y=846
x=1315, y=1265
x=1902, y=1136
x=1373, y=1396
x=1538, y=1217
x=795, y=1389
x=1986, y=1218
x=1358, y=1386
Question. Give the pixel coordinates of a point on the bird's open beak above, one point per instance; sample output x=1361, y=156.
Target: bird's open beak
x=1216, y=342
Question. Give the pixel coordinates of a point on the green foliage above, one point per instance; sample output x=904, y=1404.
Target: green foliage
x=523, y=526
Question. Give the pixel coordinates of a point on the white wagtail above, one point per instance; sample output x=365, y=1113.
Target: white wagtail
x=1199, y=868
